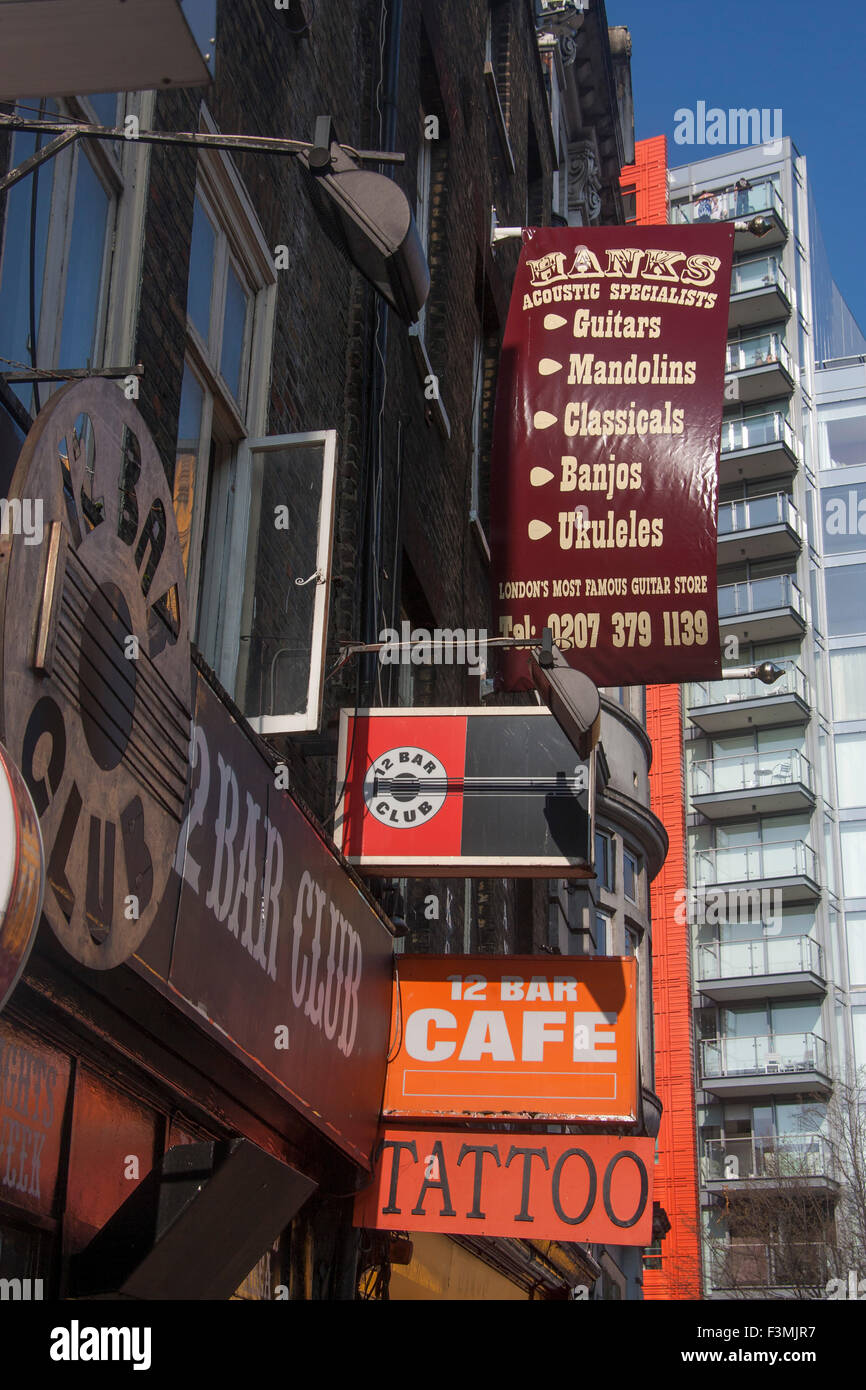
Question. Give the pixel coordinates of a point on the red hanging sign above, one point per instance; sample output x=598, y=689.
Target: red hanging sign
x=605, y=450
x=588, y=1187
x=514, y=1037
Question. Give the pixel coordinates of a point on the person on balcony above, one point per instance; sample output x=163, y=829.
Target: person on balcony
x=707, y=207
x=743, y=188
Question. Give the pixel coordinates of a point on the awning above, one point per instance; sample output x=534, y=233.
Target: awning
x=194, y=1227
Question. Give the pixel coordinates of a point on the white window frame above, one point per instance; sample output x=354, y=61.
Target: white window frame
x=418, y=330
x=492, y=86
x=423, y=194
x=121, y=168
x=241, y=241
x=638, y=868
x=310, y=717
x=477, y=439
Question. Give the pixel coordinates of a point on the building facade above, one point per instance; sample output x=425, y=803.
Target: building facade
x=672, y=1266
x=327, y=467
x=775, y=1016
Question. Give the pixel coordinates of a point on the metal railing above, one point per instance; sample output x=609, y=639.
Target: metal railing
x=763, y=274
x=760, y=351
x=739, y=772
x=746, y=863
x=779, y=955
x=776, y=1055
x=748, y=1156
x=753, y=1265
x=731, y=204
x=756, y=430
x=793, y=682
x=760, y=595
x=750, y=513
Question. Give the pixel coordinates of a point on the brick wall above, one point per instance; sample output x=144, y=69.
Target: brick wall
x=394, y=458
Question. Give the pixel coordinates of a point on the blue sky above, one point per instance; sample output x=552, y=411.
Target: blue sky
x=808, y=59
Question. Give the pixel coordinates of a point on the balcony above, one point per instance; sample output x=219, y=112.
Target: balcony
x=785, y=1063
x=767, y=968
x=729, y=205
x=760, y=293
x=761, y=446
x=789, y=866
x=759, y=368
x=721, y=706
x=759, y=528
x=800, y=1266
x=747, y=783
x=762, y=610
x=752, y=1159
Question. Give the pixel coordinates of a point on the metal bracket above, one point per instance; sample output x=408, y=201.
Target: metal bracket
x=73, y=373
x=67, y=132
x=318, y=575
x=498, y=233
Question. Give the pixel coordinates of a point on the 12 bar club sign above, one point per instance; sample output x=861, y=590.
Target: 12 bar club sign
x=514, y=1038
x=529, y=1186
x=276, y=949
x=169, y=845
x=459, y=792
x=95, y=666
x=605, y=451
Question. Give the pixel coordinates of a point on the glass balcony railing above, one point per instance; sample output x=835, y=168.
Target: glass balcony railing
x=760, y=351
x=748, y=863
x=748, y=771
x=760, y=275
x=752, y=513
x=793, y=682
x=760, y=595
x=779, y=955
x=756, y=431
x=731, y=204
x=746, y=1156
x=770, y=1056
x=799, y=1265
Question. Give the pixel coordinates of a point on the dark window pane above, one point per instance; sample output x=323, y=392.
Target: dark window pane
x=15, y=268
x=201, y=256
x=84, y=269
x=846, y=599
x=234, y=325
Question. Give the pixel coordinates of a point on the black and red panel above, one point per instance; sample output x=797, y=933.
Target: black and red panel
x=457, y=792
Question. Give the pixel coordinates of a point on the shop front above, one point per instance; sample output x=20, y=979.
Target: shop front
x=196, y=1046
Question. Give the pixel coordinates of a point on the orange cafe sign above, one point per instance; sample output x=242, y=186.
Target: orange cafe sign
x=516, y=1037
x=531, y=1186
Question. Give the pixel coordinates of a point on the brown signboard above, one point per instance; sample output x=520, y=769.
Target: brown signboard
x=605, y=451
x=514, y=1037
x=530, y=1186
x=33, y=1083
x=276, y=952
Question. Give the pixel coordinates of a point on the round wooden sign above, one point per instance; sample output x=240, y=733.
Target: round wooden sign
x=96, y=675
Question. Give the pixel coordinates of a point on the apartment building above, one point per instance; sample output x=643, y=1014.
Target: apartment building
x=775, y=836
